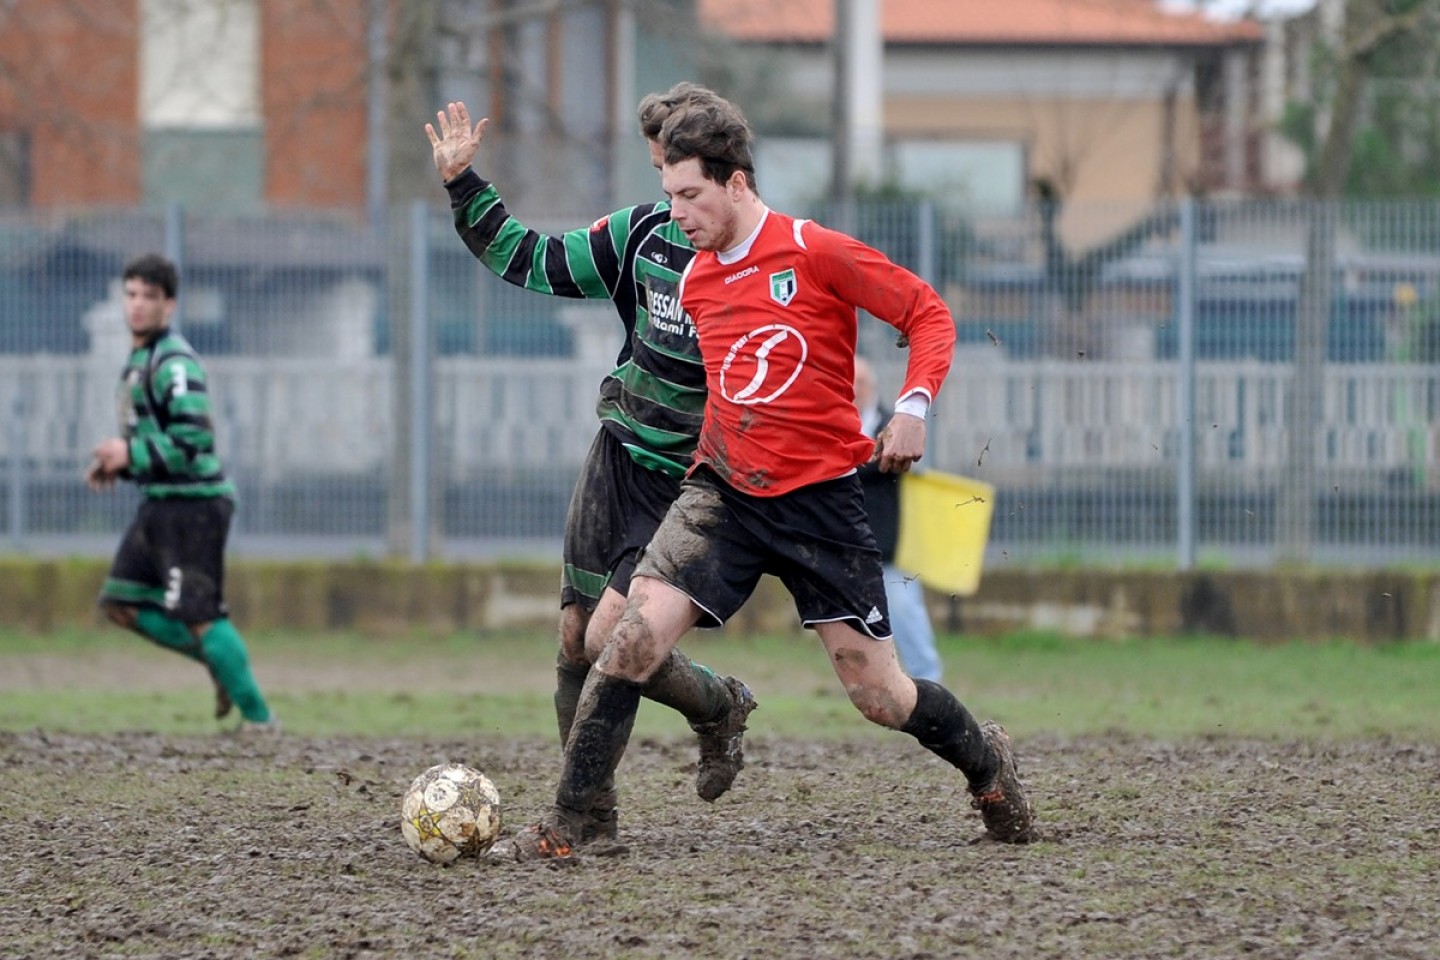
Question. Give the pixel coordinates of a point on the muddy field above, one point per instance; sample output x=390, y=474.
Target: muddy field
x=221, y=847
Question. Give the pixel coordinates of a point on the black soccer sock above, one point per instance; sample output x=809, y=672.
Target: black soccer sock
x=601, y=731
x=689, y=687
x=944, y=727
x=569, y=681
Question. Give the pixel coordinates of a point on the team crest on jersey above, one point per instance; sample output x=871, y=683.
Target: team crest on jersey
x=783, y=286
x=762, y=364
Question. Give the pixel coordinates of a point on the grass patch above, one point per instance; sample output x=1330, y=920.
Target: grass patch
x=492, y=684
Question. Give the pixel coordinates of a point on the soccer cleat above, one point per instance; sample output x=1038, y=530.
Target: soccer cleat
x=722, y=754
x=259, y=728
x=1003, y=804
x=554, y=838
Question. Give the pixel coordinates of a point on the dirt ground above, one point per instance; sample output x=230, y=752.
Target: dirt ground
x=143, y=845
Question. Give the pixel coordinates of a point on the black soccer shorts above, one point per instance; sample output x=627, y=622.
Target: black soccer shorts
x=614, y=510
x=716, y=542
x=173, y=557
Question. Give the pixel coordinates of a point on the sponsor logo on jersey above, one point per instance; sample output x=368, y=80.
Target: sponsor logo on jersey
x=599, y=225
x=742, y=274
x=666, y=315
x=762, y=364
x=783, y=286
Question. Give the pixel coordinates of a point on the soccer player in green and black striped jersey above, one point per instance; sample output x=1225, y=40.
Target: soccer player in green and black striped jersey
x=650, y=407
x=168, y=577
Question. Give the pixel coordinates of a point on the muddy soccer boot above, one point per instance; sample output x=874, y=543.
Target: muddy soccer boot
x=1003, y=804
x=259, y=728
x=722, y=754
x=553, y=838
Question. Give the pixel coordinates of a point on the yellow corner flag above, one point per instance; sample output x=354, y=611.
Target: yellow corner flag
x=944, y=526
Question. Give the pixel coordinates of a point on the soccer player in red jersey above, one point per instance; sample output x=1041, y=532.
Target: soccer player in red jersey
x=774, y=486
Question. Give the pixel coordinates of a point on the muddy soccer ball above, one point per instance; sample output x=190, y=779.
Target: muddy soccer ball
x=450, y=811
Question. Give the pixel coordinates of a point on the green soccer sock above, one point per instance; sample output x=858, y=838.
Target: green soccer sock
x=225, y=653
x=168, y=632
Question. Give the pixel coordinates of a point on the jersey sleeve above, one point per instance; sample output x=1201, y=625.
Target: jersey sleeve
x=585, y=263
x=186, y=432
x=865, y=277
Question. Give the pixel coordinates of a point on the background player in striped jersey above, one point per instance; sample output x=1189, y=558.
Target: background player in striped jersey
x=167, y=581
x=650, y=410
x=774, y=488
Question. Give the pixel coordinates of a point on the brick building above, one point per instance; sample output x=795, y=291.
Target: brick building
x=126, y=102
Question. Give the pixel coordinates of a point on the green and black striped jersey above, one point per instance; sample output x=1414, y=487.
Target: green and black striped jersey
x=165, y=417
x=654, y=399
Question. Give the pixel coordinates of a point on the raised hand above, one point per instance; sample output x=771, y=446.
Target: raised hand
x=456, y=144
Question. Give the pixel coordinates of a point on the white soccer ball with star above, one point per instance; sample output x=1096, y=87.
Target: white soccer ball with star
x=450, y=811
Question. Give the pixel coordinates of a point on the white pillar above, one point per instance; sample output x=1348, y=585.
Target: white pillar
x=865, y=90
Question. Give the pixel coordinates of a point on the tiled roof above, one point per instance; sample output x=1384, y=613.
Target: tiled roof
x=983, y=23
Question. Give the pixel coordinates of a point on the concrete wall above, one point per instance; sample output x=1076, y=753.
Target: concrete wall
x=394, y=598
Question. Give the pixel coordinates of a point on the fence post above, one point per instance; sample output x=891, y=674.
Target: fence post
x=925, y=258
x=422, y=371
x=175, y=253
x=1185, y=389
x=17, y=498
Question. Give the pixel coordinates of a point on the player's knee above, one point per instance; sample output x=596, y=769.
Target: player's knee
x=631, y=650
x=120, y=614
x=878, y=706
x=573, y=621
x=631, y=630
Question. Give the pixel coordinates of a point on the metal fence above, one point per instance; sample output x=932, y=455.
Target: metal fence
x=1236, y=384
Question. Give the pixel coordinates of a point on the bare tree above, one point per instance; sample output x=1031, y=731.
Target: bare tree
x=1368, y=25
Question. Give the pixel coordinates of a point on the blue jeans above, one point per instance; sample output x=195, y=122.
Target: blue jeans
x=914, y=637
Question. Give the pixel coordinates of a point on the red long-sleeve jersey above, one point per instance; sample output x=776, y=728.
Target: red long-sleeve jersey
x=777, y=331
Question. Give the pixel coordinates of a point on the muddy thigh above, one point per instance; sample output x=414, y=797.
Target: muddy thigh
x=656, y=616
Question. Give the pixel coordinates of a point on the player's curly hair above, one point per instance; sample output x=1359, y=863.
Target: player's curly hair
x=716, y=133
x=655, y=108
x=155, y=270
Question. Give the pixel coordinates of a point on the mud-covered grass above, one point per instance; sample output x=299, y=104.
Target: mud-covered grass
x=148, y=845
x=144, y=841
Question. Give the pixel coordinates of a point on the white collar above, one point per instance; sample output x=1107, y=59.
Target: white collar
x=741, y=250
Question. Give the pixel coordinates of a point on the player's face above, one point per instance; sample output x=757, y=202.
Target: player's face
x=707, y=212
x=147, y=309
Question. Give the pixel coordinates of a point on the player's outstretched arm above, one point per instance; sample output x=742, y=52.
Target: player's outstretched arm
x=456, y=143
x=582, y=263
